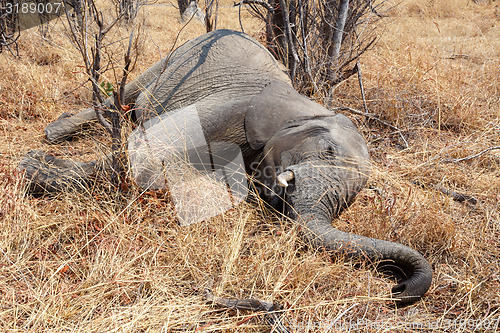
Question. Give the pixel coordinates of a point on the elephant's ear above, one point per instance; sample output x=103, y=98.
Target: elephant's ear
x=274, y=107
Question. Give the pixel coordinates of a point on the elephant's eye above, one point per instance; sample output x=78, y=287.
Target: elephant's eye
x=329, y=152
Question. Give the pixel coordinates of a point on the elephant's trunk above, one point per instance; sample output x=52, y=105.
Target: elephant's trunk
x=314, y=203
x=415, y=268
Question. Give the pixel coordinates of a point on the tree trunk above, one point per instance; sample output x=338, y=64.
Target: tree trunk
x=183, y=5
x=281, y=33
x=129, y=9
x=334, y=47
x=78, y=7
x=275, y=34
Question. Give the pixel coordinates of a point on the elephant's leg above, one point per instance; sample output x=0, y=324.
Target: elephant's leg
x=66, y=126
x=46, y=174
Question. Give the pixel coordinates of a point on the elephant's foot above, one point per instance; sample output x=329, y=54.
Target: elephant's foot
x=67, y=125
x=47, y=174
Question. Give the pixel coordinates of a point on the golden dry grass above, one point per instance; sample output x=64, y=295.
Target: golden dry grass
x=95, y=262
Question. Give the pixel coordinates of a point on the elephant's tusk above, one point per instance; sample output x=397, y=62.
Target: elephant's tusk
x=284, y=177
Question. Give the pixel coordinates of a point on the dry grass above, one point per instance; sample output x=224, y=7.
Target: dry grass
x=92, y=262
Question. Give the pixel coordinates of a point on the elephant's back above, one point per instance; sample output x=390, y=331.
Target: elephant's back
x=216, y=67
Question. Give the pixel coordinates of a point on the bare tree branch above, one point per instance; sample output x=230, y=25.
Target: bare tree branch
x=211, y=15
x=470, y=157
x=255, y=2
x=361, y=88
x=456, y=196
x=374, y=117
x=170, y=52
x=373, y=9
x=271, y=311
x=121, y=96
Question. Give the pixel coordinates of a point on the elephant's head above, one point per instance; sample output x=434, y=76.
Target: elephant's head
x=321, y=161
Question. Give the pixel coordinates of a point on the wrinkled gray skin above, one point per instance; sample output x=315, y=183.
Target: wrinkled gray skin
x=242, y=96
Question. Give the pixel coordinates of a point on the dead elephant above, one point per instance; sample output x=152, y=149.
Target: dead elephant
x=231, y=88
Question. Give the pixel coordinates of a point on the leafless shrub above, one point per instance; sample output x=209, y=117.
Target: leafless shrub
x=211, y=12
x=190, y=8
x=129, y=9
x=319, y=41
x=9, y=33
x=88, y=31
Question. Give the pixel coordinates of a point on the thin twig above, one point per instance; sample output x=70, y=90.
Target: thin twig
x=94, y=72
x=239, y=19
x=211, y=24
x=360, y=81
x=457, y=196
x=125, y=72
x=470, y=157
x=255, y=2
x=458, y=56
x=170, y=52
x=373, y=10
x=373, y=117
x=272, y=311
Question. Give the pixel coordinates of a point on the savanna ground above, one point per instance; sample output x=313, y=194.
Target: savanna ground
x=93, y=262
